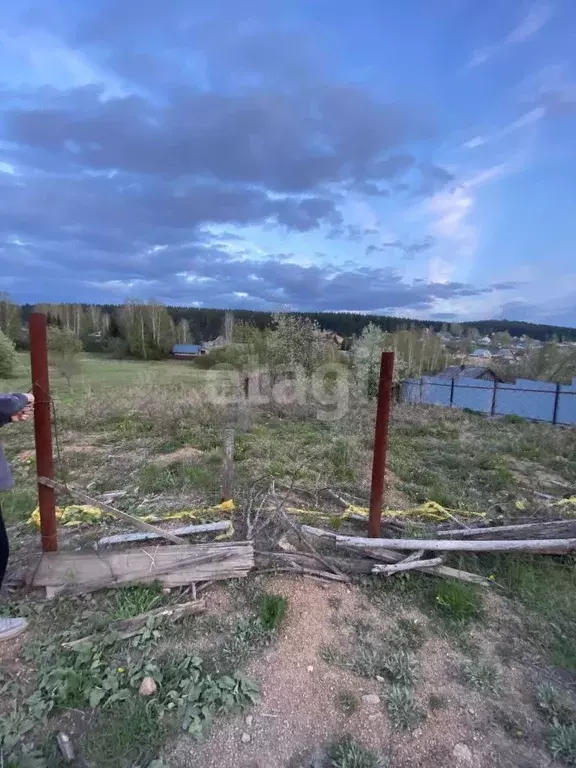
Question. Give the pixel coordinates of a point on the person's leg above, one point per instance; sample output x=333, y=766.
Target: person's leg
x=9, y=627
x=4, y=549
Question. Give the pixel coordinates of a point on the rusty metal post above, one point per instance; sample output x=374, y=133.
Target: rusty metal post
x=43, y=429
x=380, y=443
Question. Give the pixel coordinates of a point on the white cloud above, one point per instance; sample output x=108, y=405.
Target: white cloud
x=530, y=25
x=40, y=58
x=529, y=118
x=453, y=226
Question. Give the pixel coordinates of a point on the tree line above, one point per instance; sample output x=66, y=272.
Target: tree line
x=149, y=329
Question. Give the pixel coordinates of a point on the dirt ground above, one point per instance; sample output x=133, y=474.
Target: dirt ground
x=298, y=714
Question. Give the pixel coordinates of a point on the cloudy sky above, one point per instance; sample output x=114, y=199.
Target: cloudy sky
x=412, y=158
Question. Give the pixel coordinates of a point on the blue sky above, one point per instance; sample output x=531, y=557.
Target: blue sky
x=413, y=158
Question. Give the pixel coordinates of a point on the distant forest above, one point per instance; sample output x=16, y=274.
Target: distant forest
x=207, y=324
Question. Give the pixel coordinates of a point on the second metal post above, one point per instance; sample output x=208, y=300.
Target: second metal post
x=381, y=443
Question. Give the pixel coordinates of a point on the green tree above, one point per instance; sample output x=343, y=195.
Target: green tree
x=10, y=319
x=64, y=350
x=7, y=357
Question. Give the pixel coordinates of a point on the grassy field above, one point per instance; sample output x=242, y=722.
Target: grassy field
x=151, y=431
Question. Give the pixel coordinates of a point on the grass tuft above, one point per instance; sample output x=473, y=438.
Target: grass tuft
x=347, y=701
x=481, y=675
x=272, y=610
x=458, y=602
x=130, y=601
x=402, y=709
x=410, y=634
x=347, y=753
x=556, y=705
x=563, y=743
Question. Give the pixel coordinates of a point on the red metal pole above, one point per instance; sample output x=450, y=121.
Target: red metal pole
x=380, y=443
x=43, y=429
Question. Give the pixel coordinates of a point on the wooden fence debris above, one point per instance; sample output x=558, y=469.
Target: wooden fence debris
x=86, y=499
x=130, y=627
x=80, y=572
x=540, y=530
x=185, y=530
x=544, y=546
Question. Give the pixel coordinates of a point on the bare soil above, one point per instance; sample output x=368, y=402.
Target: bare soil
x=299, y=713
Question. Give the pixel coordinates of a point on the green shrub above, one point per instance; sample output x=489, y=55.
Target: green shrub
x=7, y=357
x=272, y=610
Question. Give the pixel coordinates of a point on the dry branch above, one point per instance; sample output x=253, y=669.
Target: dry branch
x=86, y=499
x=389, y=556
x=542, y=530
x=130, y=627
x=406, y=565
x=543, y=546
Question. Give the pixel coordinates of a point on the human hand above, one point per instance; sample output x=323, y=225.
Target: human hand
x=27, y=412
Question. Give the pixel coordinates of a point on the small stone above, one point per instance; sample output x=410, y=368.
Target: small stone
x=166, y=591
x=147, y=687
x=462, y=753
x=470, y=711
x=246, y=738
x=371, y=699
x=249, y=720
x=380, y=678
x=310, y=668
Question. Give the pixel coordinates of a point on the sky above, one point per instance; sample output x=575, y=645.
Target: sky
x=415, y=158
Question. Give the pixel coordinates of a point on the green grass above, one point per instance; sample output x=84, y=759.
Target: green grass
x=128, y=734
x=555, y=704
x=563, y=743
x=402, y=709
x=457, y=602
x=347, y=753
x=131, y=601
x=155, y=479
x=481, y=675
x=272, y=610
x=544, y=588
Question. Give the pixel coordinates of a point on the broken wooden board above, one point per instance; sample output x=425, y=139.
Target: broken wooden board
x=80, y=572
x=130, y=627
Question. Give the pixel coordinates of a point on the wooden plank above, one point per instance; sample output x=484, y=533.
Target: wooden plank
x=130, y=627
x=544, y=546
x=186, y=530
x=83, y=497
x=543, y=530
x=78, y=572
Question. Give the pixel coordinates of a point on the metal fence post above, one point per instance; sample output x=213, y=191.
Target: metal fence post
x=43, y=429
x=556, y=403
x=380, y=443
x=452, y=393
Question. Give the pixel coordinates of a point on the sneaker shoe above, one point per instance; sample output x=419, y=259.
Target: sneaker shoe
x=10, y=628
